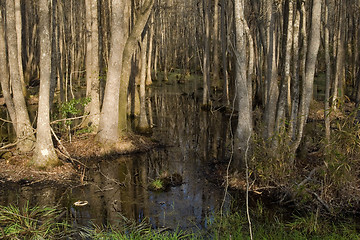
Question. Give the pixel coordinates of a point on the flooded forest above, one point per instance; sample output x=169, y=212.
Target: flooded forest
x=175, y=119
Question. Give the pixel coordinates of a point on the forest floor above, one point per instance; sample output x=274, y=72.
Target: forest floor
x=14, y=167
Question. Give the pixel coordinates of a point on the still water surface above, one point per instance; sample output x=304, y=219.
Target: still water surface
x=195, y=141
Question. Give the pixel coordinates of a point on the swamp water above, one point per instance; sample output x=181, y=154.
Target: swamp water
x=195, y=142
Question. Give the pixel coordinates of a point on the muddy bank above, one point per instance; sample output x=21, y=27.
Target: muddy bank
x=14, y=168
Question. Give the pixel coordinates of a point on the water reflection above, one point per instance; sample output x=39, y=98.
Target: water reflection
x=196, y=141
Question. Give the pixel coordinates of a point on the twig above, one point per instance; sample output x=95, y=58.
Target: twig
x=308, y=178
x=68, y=119
x=110, y=179
x=320, y=200
x=247, y=187
x=66, y=154
x=4, y=120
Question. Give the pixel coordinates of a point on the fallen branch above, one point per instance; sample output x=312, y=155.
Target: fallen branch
x=66, y=154
x=325, y=205
x=308, y=178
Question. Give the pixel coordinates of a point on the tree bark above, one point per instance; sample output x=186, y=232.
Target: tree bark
x=308, y=79
x=24, y=131
x=150, y=50
x=271, y=85
x=4, y=73
x=285, y=81
x=19, y=43
x=44, y=153
x=244, y=127
x=216, y=83
x=328, y=73
x=143, y=121
x=129, y=48
x=206, y=57
x=108, y=127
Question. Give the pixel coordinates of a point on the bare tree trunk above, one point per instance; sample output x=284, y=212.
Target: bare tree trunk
x=328, y=74
x=150, y=50
x=286, y=79
x=244, y=127
x=130, y=46
x=271, y=75
x=4, y=73
x=225, y=99
x=19, y=43
x=108, y=127
x=295, y=91
x=340, y=58
x=94, y=117
x=216, y=83
x=311, y=57
x=143, y=122
x=206, y=57
x=24, y=131
x=44, y=153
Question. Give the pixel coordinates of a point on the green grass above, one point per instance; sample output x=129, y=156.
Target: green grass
x=41, y=223
x=31, y=223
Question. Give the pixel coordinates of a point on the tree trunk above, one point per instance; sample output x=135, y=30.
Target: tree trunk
x=285, y=81
x=308, y=79
x=244, y=127
x=271, y=85
x=216, y=83
x=108, y=127
x=19, y=43
x=94, y=117
x=340, y=58
x=143, y=122
x=24, y=131
x=328, y=74
x=206, y=57
x=44, y=153
x=295, y=92
x=4, y=73
x=150, y=50
x=225, y=97
x=131, y=44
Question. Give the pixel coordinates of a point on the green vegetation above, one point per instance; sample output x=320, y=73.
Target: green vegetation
x=321, y=174
x=157, y=185
x=31, y=223
x=73, y=107
x=130, y=229
x=41, y=223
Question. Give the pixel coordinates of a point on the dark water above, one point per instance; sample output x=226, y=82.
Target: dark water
x=196, y=141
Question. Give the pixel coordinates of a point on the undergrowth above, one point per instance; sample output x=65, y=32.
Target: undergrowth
x=325, y=174
x=41, y=223
x=31, y=223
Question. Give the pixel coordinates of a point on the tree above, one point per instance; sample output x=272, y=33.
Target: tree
x=44, y=153
x=92, y=65
x=24, y=130
x=308, y=81
x=244, y=126
x=108, y=127
x=142, y=17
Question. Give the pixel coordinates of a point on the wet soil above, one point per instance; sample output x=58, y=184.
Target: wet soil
x=14, y=167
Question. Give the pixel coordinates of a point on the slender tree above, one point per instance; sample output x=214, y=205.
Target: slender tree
x=24, y=130
x=44, y=153
x=244, y=127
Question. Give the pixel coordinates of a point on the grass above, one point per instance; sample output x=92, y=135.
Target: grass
x=41, y=223
x=235, y=226
x=31, y=223
x=157, y=185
